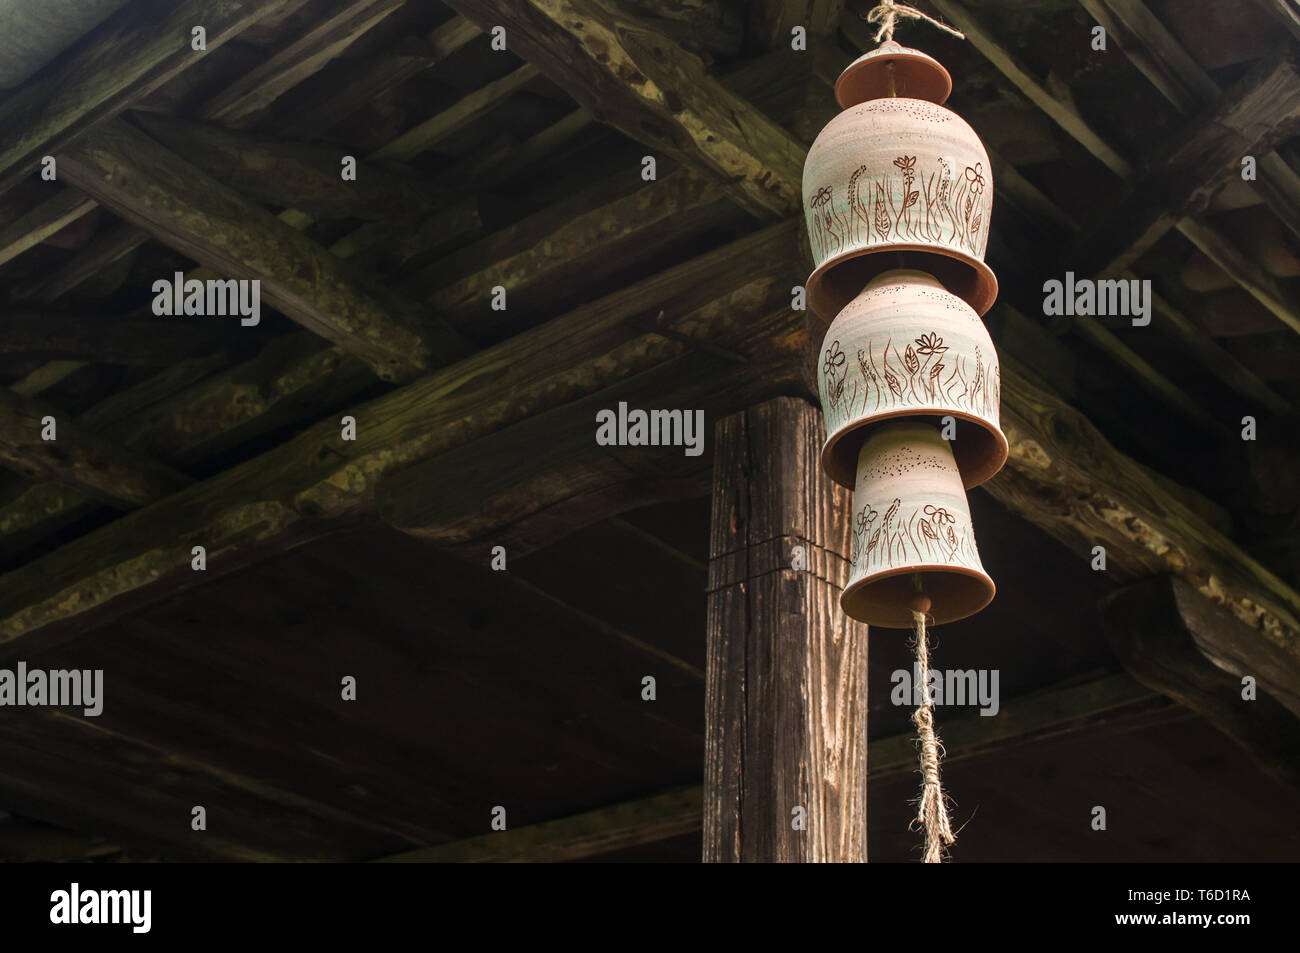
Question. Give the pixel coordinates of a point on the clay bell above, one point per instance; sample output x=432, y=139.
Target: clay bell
x=908, y=347
x=900, y=175
x=912, y=532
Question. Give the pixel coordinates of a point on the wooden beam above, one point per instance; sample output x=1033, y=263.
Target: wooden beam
x=48, y=218
x=786, y=697
x=317, y=481
x=1181, y=80
x=637, y=80
x=198, y=216
x=1026, y=719
x=242, y=103
x=535, y=482
x=77, y=458
x=1064, y=114
x=103, y=339
x=620, y=826
x=279, y=173
x=104, y=249
x=1065, y=477
x=771, y=21
x=1261, y=286
x=435, y=129
x=1259, y=111
x=1177, y=642
x=127, y=57
x=407, y=58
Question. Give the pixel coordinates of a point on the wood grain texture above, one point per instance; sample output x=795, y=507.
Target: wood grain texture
x=572, y=838
x=129, y=55
x=786, y=694
x=636, y=79
x=86, y=461
x=48, y=218
x=307, y=485
x=1177, y=642
x=1065, y=476
x=181, y=206
x=245, y=100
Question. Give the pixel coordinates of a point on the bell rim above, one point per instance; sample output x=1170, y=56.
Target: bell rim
x=987, y=585
x=839, y=454
x=863, y=79
x=826, y=306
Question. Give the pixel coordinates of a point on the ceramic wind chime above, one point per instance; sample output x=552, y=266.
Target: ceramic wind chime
x=898, y=194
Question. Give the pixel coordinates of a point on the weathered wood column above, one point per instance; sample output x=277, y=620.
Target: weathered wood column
x=786, y=704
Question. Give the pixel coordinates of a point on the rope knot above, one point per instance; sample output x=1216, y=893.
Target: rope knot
x=888, y=12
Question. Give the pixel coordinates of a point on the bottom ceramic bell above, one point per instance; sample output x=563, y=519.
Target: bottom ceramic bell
x=912, y=531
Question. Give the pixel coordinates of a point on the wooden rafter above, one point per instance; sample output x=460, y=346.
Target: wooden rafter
x=125, y=59
x=159, y=192
x=630, y=76
x=243, y=102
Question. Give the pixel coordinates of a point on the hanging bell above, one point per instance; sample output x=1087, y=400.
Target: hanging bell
x=898, y=174
x=912, y=532
x=908, y=347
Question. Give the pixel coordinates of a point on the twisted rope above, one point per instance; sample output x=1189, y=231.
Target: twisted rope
x=932, y=812
x=888, y=12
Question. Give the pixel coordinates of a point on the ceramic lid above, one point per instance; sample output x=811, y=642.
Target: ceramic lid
x=915, y=75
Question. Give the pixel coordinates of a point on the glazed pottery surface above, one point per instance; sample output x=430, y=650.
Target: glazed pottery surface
x=906, y=346
x=897, y=175
x=912, y=531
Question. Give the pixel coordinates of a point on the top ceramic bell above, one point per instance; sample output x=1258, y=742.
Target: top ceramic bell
x=901, y=176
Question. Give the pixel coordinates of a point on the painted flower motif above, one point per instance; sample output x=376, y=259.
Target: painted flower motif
x=866, y=516
x=939, y=515
x=931, y=343
x=975, y=177
x=821, y=198
x=906, y=163
x=834, y=359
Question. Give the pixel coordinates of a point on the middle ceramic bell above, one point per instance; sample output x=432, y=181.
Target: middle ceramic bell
x=908, y=347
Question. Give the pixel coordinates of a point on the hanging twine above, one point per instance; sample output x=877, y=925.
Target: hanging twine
x=932, y=812
x=888, y=12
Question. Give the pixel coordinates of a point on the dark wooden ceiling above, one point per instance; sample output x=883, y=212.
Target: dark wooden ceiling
x=481, y=168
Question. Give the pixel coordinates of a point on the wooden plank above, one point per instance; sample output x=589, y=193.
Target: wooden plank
x=278, y=173
x=1177, y=642
x=1261, y=286
x=1065, y=477
x=607, y=829
x=1045, y=714
x=103, y=339
x=198, y=216
x=637, y=80
x=532, y=483
x=80, y=459
x=243, y=102
x=48, y=218
x=435, y=129
x=1181, y=80
x=786, y=696
x=771, y=21
x=104, y=249
x=316, y=481
x=1062, y=113
x=1259, y=111
x=131, y=54
x=356, y=89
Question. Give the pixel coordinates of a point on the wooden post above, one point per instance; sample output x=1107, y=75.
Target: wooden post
x=786, y=702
